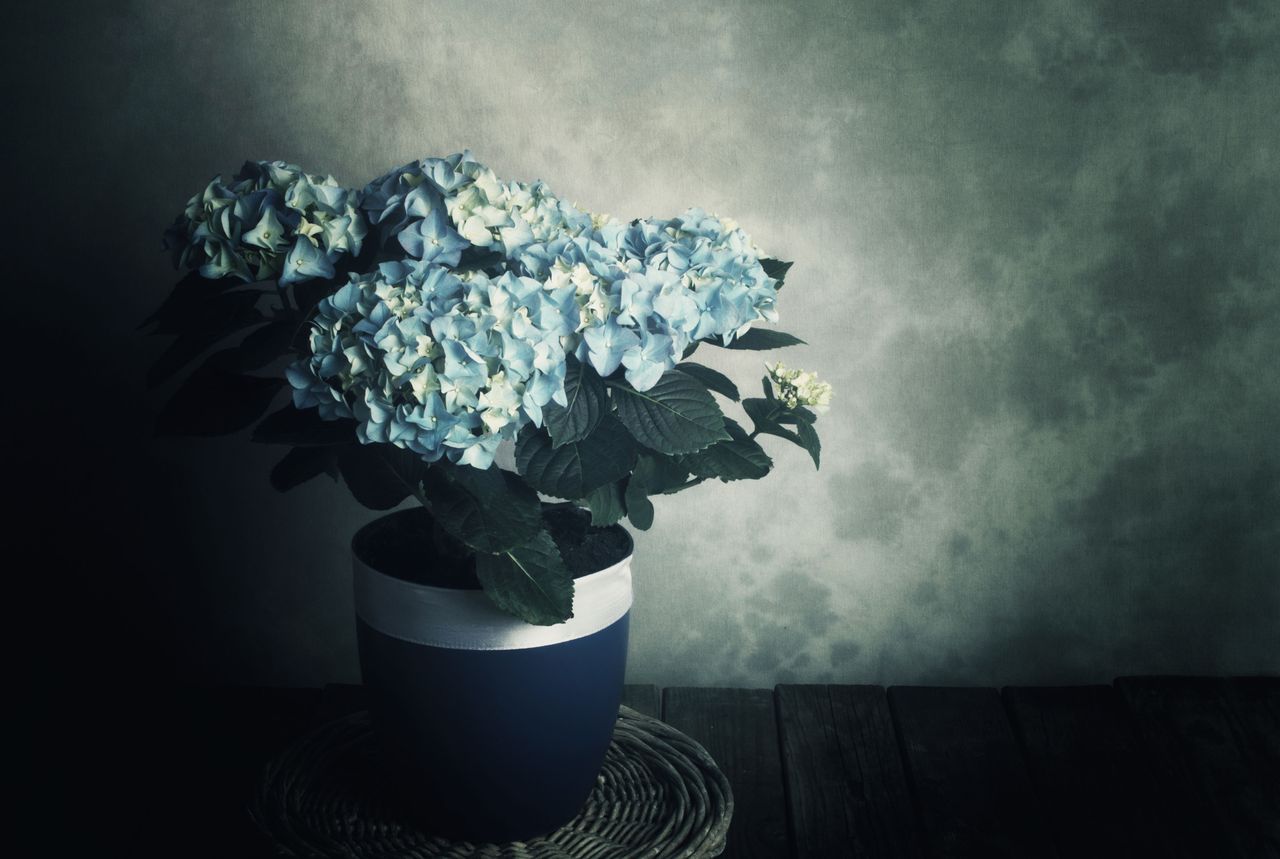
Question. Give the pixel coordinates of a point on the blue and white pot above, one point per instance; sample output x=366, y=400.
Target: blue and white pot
x=493, y=730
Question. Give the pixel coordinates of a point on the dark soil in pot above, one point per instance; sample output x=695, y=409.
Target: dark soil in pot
x=408, y=545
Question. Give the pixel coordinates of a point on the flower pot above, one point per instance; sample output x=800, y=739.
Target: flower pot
x=489, y=729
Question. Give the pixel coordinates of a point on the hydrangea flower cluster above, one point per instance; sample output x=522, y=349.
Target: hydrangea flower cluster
x=437, y=207
x=432, y=362
x=798, y=388
x=440, y=360
x=272, y=221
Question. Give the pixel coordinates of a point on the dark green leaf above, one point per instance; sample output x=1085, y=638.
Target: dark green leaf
x=606, y=504
x=809, y=441
x=215, y=313
x=263, y=345
x=760, y=339
x=476, y=258
x=738, y=459
x=677, y=415
x=490, y=510
x=302, y=427
x=662, y=474
x=690, y=349
x=380, y=476
x=713, y=379
x=181, y=352
x=267, y=344
x=189, y=292
x=639, y=507
x=764, y=416
x=303, y=463
x=587, y=402
x=214, y=401
x=798, y=415
x=529, y=581
x=572, y=470
x=448, y=545
x=776, y=269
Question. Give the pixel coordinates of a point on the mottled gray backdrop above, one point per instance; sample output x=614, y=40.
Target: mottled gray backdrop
x=1036, y=254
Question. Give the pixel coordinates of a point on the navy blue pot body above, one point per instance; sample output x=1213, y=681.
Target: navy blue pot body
x=497, y=745
x=489, y=730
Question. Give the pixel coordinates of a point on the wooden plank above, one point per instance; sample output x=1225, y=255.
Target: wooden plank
x=737, y=727
x=1094, y=780
x=642, y=698
x=846, y=787
x=1255, y=702
x=967, y=773
x=1197, y=743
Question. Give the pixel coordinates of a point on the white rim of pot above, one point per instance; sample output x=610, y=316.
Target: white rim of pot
x=466, y=619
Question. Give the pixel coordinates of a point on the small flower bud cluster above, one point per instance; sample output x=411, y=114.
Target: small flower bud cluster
x=797, y=388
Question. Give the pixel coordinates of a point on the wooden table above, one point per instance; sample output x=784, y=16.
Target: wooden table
x=1169, y=767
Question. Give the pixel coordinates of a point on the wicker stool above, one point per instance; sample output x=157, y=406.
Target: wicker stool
x=658, y=795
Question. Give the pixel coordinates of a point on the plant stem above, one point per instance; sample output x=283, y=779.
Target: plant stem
x=421, y=496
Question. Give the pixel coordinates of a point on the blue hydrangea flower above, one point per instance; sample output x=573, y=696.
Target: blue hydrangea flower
x=434, y=362
x=449, y=363
x=271, y=220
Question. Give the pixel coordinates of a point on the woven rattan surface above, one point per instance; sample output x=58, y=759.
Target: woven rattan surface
x=659, y=794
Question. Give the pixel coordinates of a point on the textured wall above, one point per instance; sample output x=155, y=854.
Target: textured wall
x=1036, y=251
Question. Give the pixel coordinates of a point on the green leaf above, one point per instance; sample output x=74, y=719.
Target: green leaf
x=490, y=510
x=606, y=504
x=713, y=379
x=529, y=581
x=587, y=403
x=805, y=415
x=477, y=258
x=303, y=463
x=181, y=352
x=809, y=441
x=769, y=417
x=662, y=475
x=776, y=269
x=267, y=344
x=765, y=420
x=297, y=426
x=213, y=312
x=191, y=344
x=677, y=415
x=214, y=401
x=739, y=459
x=574, y=469
x=760, y=339
x=187, y=293
x=639, y=507
x=380, y=476
x=798, y=415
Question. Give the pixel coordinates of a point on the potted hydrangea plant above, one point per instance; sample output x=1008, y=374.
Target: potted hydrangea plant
x=478, y=346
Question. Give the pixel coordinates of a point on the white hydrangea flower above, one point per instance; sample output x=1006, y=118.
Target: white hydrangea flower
x=799, y=388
